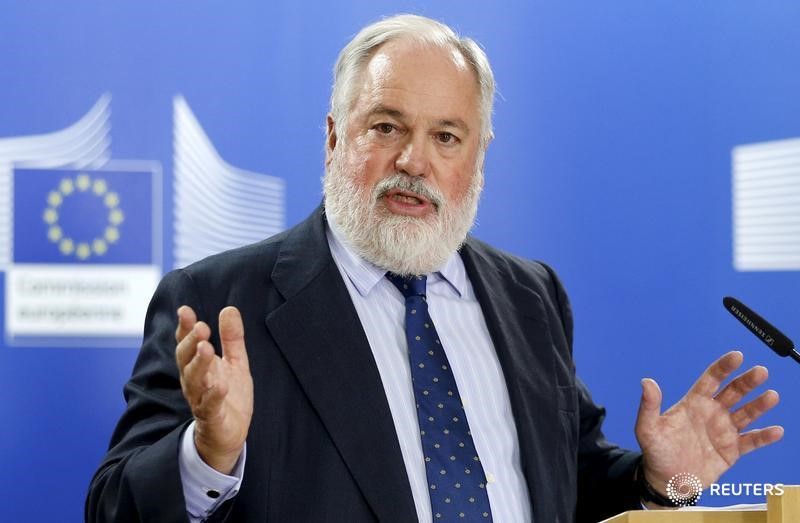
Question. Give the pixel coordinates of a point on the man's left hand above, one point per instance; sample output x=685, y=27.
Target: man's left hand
x=702, y=434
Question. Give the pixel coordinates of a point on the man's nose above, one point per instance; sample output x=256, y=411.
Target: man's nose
x=413, y=158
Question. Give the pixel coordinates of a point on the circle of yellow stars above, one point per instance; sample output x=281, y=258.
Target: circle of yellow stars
x=67, y=245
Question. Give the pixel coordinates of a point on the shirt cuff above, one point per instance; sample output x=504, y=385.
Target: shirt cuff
x=204, y=488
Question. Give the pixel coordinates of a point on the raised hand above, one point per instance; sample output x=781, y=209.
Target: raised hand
x=219, y=390
x=701, y=434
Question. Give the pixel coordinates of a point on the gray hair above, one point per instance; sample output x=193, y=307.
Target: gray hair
x=353, y=58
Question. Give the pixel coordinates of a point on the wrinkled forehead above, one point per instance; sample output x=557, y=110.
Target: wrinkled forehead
x=426, y=73
x=393, y=52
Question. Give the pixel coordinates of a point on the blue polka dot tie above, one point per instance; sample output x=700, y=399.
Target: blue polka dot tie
x=456, y=481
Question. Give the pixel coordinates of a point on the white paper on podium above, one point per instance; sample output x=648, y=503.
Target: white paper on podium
x=743, y=506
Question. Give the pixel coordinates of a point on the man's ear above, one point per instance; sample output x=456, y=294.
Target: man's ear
x=485, y=148
x=330, y=139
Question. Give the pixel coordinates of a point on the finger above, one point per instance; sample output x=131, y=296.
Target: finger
x=231, y=335
x=755, y=439
x=753, y=410
x=649, y=407
x=187, y=347
x=198, y=374
x=742, y=386
x=708, y=382
x=186, y=320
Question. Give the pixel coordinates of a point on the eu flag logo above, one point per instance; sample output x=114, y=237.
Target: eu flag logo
x=83, y=216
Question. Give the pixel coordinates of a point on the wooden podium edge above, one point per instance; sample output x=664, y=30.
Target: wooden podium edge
x=784, y=508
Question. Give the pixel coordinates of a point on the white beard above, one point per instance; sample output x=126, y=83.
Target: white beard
x=404, y=245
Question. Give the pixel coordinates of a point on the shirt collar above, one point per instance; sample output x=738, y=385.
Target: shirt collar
x=365, y=275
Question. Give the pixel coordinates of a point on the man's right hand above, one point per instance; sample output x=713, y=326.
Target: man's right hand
x=218, y=390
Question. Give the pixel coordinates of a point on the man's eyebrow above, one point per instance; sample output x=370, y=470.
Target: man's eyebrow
x=381, y=109
x=385, y=109
x=458, y=123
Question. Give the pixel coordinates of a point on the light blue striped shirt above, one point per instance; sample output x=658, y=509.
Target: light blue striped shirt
x=461, y=327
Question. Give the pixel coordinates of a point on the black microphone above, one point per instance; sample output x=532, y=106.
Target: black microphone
x=764, y=330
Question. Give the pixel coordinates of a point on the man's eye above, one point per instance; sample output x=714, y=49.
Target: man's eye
x=447, y=138
x=384, y=128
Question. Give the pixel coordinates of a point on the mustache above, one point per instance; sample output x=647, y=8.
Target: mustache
x=413, y=184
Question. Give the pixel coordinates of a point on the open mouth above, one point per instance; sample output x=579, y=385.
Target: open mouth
x=408, y=203
x=406, y=197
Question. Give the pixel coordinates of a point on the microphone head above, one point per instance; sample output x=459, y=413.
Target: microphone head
x=764, y=330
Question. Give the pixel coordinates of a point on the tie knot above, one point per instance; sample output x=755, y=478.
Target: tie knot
x=408, y=285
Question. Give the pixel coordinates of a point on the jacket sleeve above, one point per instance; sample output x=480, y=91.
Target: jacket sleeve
x=606, y=484
x=139, y=478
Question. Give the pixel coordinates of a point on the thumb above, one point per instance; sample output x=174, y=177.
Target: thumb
x=649, y=407
x=231, y=335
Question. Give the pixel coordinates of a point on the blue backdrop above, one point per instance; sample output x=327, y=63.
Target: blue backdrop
x=615, y=124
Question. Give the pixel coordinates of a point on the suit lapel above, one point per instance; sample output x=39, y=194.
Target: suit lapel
x=320, y=334
x=518, y=325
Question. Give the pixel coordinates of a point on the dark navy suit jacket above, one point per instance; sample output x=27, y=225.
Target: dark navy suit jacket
x=322, y=444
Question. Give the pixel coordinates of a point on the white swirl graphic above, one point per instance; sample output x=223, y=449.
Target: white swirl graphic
x=684, y=489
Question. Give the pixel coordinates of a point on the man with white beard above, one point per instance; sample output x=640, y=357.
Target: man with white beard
x=375, y=363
